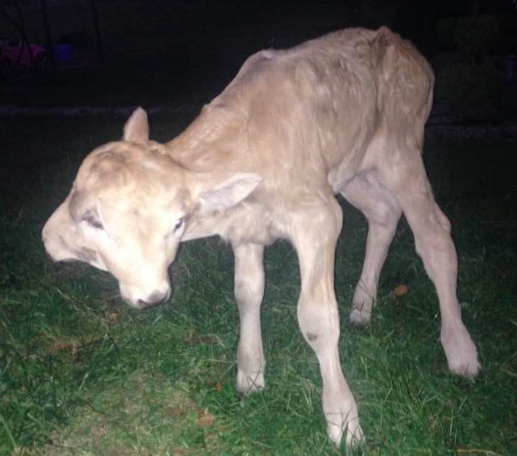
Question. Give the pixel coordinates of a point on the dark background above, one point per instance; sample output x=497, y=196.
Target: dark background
x=169, y=53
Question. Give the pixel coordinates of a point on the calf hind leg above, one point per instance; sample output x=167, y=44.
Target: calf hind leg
x=382, y=211
x=249, y=290
x=434, y=244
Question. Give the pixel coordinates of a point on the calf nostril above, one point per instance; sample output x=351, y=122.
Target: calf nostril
x=154, y=298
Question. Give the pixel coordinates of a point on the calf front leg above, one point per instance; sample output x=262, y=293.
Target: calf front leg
x=315, y=236
x=249, y=291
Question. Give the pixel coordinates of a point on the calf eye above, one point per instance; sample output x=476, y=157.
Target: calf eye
x=178, y=224
x=92, y=220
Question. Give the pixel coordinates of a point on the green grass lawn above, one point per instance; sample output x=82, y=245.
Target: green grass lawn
x=83, y=374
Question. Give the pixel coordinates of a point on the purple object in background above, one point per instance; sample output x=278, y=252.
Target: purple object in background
x=63, y=53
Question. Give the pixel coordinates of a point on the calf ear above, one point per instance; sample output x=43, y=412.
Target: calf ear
x=226, y=193
x=137, y=127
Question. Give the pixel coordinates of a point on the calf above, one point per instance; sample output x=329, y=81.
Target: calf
x=343, y=114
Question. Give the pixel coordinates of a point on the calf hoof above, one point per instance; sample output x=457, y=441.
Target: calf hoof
x=359, y=315
x=339, y=429
x=362, y=306
x=460, y=351
x=249, y=384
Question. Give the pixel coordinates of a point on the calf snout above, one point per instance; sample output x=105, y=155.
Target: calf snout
x=154, y=298
x=141, y=298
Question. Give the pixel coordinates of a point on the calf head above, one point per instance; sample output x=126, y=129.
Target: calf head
x=129, y=208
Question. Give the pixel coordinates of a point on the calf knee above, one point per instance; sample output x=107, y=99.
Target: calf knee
x=247, y=290
x=319, y=323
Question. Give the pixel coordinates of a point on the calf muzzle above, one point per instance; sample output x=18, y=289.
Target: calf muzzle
x=154, y=298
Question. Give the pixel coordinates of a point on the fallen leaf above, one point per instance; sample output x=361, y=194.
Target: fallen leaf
x=177, y=410
x=194, y=339
x=218, y=387
x=206, y=418
x=60, y=346
x=401, y=290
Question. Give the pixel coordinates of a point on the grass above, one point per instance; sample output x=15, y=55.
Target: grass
x=83, y=374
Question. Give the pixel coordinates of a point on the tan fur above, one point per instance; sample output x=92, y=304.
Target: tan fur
x=341, y=114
